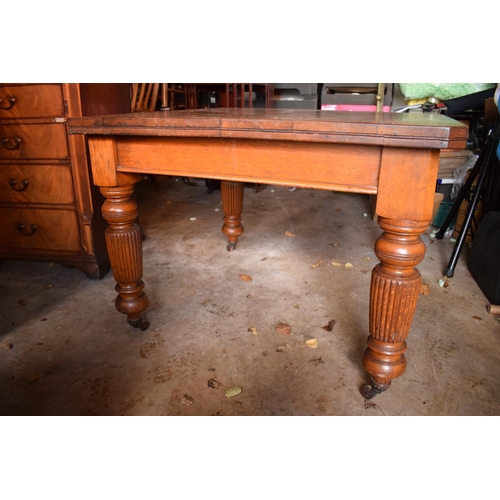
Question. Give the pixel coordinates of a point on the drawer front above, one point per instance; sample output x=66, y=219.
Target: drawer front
x=31, y=101
x=39, y=229
x=33, y=141
x=36, y=184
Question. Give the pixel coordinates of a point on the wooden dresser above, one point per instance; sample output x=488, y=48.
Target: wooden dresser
x=49, y=208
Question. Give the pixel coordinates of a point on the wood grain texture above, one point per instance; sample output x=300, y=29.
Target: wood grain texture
x=43, y=184
x=104, y=98
x=232, y=206
x=38, y=141
x=124, y=242
x=406, y=176
x=105, y=163
x=104, y=160
x=54, y=167
x=394, y=155
x=379, y=129
x=81, y=100
x=55, y=229
x=31, y=101
x=394, y=292
x=323, y=166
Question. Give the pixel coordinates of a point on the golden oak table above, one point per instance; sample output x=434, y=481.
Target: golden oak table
x=394, y=156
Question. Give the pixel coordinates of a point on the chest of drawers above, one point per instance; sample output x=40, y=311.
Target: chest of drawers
x=49, y=208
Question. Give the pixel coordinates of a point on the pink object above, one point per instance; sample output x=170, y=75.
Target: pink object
x=353, y=107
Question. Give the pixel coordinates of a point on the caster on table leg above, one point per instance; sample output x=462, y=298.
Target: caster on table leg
x=139, y=323
x=231, y=246
x=369, y=391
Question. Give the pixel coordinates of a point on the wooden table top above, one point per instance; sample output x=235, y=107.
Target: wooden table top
x=415, y=130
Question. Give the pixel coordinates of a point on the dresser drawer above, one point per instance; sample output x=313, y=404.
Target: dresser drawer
x=32, y=183
x=33, y=141
x=31, y=101
x=39, y=229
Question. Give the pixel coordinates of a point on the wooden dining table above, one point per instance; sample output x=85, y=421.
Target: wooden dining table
x=394, y=156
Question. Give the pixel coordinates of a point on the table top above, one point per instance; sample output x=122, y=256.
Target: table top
x=415, y=130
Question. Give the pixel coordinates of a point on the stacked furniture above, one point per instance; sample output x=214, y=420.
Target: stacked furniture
x=354, y=96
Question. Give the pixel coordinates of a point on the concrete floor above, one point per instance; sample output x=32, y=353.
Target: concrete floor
x=67, y=351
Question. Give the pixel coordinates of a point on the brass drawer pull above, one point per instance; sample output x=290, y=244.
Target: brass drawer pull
x=11, y=100
x=13, y=184
x=22, y=229
x=16, y=141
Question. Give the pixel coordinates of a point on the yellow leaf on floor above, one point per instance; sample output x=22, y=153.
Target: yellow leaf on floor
x=314, y=266
x=313, y=343
x=233, y=391
x=245, y=277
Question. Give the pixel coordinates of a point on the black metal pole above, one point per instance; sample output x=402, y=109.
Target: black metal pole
x=449, y=271
x=464, y=190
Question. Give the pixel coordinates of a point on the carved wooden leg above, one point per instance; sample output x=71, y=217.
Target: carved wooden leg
x=232, y=205
x=395, y=288
x=124, y=242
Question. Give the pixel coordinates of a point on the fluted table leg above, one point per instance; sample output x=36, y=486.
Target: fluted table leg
x=232, y=206
x=394, y=292
x=124, y=243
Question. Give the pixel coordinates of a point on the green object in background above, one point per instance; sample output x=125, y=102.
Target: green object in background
x=442, y=91
x=444, y=210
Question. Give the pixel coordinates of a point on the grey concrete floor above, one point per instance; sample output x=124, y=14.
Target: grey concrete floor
x=67, y=351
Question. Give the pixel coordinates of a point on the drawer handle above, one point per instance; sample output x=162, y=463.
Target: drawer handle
x=10, y=100
x=13, y=184
x=22, y=229
x=16, y=143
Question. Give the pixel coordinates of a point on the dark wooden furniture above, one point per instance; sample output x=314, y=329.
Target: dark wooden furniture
x=395, y=156
x=171, y=92
x=49, y=208
x=233, y=95
x=144, y=96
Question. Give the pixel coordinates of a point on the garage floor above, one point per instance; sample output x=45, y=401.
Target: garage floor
x=65, y=350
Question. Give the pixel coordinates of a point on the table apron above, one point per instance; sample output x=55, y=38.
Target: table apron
x=339, y=167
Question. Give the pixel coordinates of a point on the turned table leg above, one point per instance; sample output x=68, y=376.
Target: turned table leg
x=395, y=287
x=232, y=206
x=124, y=243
